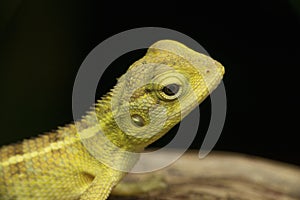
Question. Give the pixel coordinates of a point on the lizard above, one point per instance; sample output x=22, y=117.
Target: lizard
x=86, y=159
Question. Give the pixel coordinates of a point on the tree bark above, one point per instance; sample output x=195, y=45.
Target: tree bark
x=222, y=176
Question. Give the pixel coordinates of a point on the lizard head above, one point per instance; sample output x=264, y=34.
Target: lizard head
x=182, y=75
x=155, y=93
x=161, y=88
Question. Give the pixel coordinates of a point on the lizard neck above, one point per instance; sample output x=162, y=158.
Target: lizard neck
x=104, y=140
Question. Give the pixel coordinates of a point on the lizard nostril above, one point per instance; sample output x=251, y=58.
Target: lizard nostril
x=207, y=71
x=138, y=120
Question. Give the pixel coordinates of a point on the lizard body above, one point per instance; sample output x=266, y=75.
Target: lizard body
x=82, y=160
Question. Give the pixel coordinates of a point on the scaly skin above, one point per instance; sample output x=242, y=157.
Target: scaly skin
x=87, y=159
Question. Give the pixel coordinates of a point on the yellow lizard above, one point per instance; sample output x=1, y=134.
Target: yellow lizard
x=172, y=80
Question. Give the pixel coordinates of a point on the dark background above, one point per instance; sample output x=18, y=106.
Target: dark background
x=43, y=43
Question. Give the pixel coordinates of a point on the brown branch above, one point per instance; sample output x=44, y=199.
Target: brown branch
x=223, y=176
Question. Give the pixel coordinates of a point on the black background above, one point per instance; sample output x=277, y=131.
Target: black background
x=43, y=43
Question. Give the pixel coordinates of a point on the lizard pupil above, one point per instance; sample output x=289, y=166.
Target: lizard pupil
x=171, y=89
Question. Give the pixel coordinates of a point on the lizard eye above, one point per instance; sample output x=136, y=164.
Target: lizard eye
x=171, y=89
x=170, y=92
